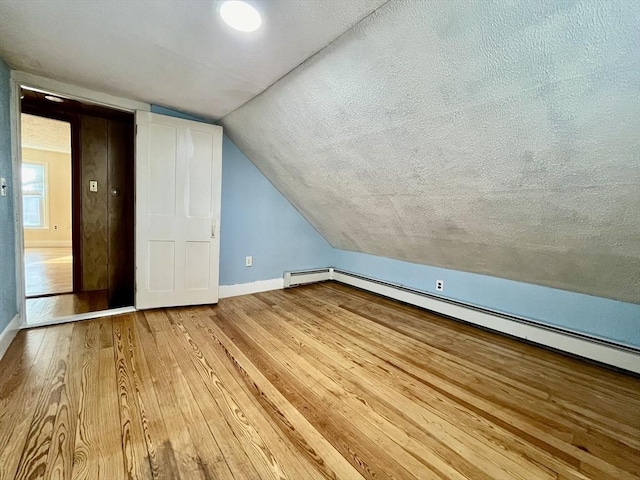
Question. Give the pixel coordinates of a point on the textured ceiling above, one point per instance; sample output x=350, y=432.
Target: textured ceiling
x=45, y=134
x=494, y=137
x=173, y=53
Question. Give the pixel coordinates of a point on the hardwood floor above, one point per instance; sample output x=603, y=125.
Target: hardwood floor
x=47, y=308
x=322, y=381
x=48, y=270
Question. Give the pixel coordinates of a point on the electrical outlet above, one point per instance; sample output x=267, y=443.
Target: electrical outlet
x=248, y=261
x=440, y=285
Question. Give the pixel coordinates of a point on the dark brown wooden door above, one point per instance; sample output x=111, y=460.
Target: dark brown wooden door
x=120, y=217
x=106, y=157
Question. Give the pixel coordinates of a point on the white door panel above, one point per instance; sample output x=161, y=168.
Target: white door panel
x=178, y=185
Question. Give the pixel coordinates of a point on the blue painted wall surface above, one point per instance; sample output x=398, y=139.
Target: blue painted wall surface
x=8, y=308
x=599, y=317
x=175, y=113
x=257, y=220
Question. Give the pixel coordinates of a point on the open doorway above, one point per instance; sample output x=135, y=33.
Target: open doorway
x=77, y=206
x=46, y=206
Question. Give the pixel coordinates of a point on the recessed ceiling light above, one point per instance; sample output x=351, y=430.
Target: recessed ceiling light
x=240, y=15
x=51, y=98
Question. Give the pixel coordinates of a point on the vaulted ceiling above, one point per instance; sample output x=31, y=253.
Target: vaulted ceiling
x=500, y=138
x=493, y=137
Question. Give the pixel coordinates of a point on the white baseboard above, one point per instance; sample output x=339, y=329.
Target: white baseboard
x=48, y=244
x=620, y=357
x=226, y=291
x=8, y=334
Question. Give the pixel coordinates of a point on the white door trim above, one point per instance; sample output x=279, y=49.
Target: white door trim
x=8, y=334
x=78, y=93
x=18, y=79
x=16, y=156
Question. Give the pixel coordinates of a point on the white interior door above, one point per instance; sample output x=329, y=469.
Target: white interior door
x=178, y=188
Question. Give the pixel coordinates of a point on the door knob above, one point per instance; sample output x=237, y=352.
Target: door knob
x=115, y=192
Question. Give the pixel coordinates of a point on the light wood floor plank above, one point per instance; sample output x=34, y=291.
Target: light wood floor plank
x=263, y=459
x=209, y=460
x=33, y=461
x=138, y=464
x=60, y=456
x=335, y=423
x=293, y=465
x=110, y=443
x=385, y=390
x=497, y=466
x=232, y=452
x=327, y=460
x=501, y=394
x=543, y=436
x=86, y=453
x=317, y=382
x=161, y=373
x=48, y=270
x=26, y=363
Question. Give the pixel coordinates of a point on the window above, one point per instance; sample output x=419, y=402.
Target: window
x=33, y=195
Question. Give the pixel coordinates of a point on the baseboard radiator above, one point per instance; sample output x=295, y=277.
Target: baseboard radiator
x=575, y=343
x=293, y=279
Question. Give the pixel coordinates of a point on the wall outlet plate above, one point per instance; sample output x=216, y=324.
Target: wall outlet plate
x=440, y=285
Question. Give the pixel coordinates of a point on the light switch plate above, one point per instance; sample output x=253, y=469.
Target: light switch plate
x=93, y=186
x=3, y=187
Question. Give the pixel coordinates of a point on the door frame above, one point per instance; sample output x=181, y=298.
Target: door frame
x=19, y=79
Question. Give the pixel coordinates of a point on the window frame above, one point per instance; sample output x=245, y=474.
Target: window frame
x=44, y=213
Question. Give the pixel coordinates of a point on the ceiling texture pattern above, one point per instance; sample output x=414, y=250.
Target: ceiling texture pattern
x=500, y=138
x=45, y=134
x=173, y=53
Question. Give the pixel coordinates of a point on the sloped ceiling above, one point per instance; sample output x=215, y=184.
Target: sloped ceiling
x=493, y=137
x=173, y=53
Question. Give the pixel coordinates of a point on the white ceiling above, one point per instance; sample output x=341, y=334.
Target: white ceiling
x=173, y=53
x=45, y=134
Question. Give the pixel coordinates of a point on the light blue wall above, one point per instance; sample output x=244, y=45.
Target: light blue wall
x=258, y=221
x=599, y=317
x=175, y=113
x=8, y=307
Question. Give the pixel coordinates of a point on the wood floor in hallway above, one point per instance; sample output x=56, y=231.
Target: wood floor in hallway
x=321, y=381
x=48, y=270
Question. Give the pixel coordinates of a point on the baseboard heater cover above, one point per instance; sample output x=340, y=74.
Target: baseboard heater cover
x=575, y=343
x=302, y=277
